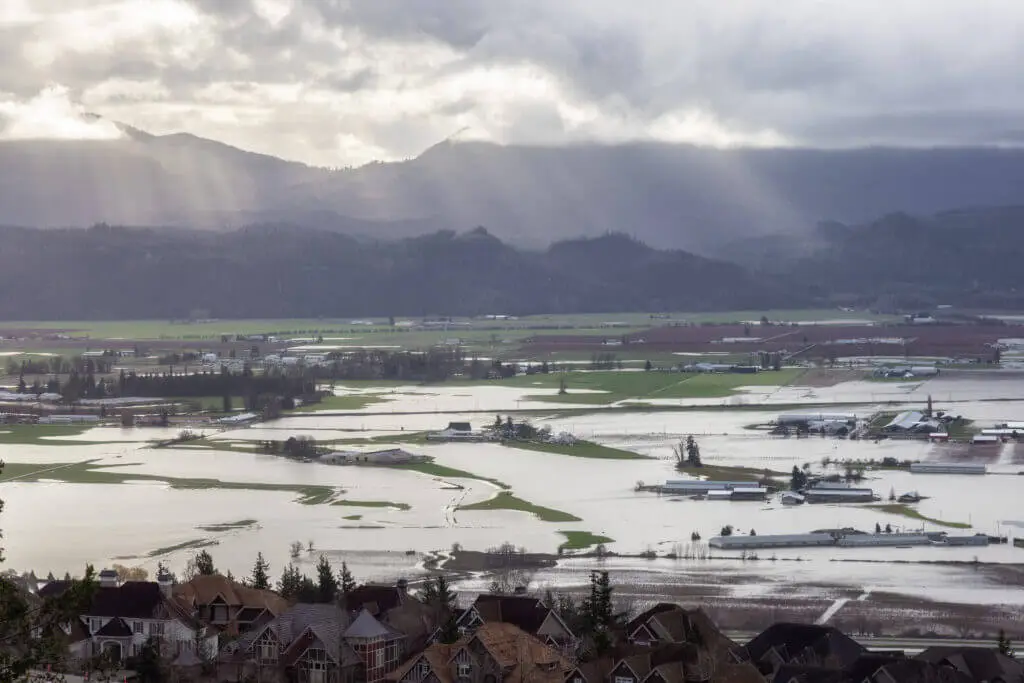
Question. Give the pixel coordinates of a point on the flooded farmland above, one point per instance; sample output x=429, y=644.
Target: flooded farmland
x=159, y=504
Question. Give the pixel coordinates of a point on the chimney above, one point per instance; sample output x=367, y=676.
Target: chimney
x=166, y=583
x=108, y=578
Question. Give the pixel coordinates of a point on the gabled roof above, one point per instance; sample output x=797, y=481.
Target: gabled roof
x=527, y=613
x=436, y=656
x=645, y=616
x=330, y=622
x=982, y=664
x=115, y=628
x=130, y=600
x=204, y=590
x=377, y=599
x=365, y=626
x=594, y=671
x=792, y=641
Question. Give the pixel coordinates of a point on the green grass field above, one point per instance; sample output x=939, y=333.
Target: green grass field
x=228, y=526
x=372, y=504
x=621, y=386
x=349, y=402
x=481, y=331
x=194, y=544
x=90, y=473
x=506, y=501
x=37, y=435
x=443, y=472
x=581, y=540
x=906, y=511
x=581, y=449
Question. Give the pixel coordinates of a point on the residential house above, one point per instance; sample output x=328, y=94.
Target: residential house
x=874, y=668
x=316, y=644
x=669, y=624
x=393, y=606
x=800, y=644
x=495, y=652
x=123, y=616
x=980, y=664
x=527, y=613
x=228, y=606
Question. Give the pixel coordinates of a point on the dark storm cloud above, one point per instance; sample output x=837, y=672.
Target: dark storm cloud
x=392, y=74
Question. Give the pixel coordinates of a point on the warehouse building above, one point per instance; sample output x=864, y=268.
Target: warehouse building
x=947, y=468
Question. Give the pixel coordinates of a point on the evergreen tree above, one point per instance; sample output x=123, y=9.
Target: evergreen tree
x=327, y=583
x=150, y=665
x=204, y=564
x=260, y=573
x=290, y=583
x=438, y=596
x=798, y=479
x=693, y=452
x=346, y=583
x=878, y=528
x=1003, y=644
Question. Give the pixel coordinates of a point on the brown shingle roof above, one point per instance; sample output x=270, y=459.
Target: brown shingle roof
x=203, y=590
x=525, y=612
x=524, y=658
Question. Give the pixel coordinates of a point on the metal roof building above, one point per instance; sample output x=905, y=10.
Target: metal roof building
x=947, y=468
x=875, y=540
x=906, y=420
x=772, y=541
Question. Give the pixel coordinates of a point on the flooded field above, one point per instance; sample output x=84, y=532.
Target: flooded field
x=106, y=494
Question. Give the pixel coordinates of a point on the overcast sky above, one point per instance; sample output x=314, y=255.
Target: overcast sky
x=343, y=82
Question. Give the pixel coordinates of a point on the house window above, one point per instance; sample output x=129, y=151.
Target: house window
x=95, y=624
x=266, y=649
x=156, y=628
x=138, y=627
x=314, y=664
x=464, y=670
x=423, y=668
x=623, y=679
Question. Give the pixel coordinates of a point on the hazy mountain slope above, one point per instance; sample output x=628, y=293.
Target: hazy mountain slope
x=667, y=195
x=105, y=272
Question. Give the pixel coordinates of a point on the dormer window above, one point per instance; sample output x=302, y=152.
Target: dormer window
x=423, y=668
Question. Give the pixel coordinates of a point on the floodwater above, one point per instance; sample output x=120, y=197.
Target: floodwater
x=56, y=526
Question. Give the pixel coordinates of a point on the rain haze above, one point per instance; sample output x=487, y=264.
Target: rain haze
x=425, y=341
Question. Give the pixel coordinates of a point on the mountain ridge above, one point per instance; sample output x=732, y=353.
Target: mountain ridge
x=670, y=196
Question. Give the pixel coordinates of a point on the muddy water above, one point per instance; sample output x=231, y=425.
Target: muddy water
x=59, y=526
